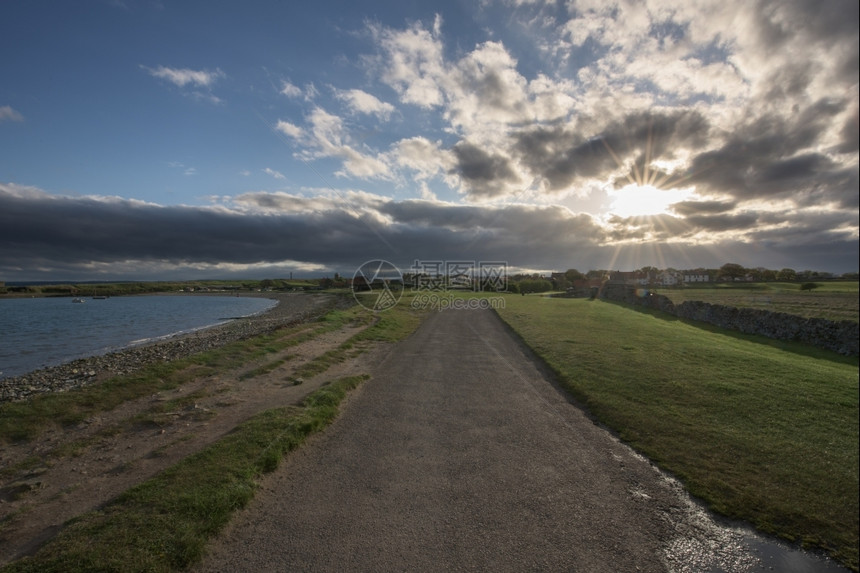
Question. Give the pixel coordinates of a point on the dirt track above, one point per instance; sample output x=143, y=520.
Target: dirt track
x=459, y=454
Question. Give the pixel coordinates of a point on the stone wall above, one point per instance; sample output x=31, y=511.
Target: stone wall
x=842, y=337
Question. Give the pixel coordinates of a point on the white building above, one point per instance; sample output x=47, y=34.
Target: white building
x=697, y=278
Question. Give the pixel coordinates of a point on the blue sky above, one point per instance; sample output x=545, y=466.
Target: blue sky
x=143, y=139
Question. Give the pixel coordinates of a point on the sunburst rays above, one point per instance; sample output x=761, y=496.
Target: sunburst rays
x=642, y=206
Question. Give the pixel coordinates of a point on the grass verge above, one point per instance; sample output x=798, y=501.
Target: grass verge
x=164, y=523
x=389, y=326
x=761, y=430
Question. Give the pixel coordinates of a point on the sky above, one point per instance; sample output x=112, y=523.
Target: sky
x=154, y=140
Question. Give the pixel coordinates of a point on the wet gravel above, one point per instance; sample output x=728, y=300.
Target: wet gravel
x=292, y=308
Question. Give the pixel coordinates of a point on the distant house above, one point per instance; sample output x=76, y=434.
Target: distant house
x=669, y=278
x=697, y=278
x=585, y=287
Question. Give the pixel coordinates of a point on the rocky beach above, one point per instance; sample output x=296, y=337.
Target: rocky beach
x=292, y=308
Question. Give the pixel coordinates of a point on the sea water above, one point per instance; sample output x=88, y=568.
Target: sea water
x=40, y=332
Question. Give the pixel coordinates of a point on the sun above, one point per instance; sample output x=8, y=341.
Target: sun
x=636, y=200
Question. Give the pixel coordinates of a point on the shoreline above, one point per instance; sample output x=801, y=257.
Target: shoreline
x=291, y=308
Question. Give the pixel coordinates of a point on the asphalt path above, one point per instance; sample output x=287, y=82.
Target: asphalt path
x=461, y=455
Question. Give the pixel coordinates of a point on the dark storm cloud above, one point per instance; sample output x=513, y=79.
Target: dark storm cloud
x=689, y=208
x=768, y=156
x=650, y=227
x=782, y=24
x=42, y=231
x=850, y=134
x=832, y=22
x=816, y=224
x=523, y=223
x=658, y=133
x=46, y=235
x=789, y=81
x=560, y=155
x=484, y=174
x=85, y=229
x=723, y=222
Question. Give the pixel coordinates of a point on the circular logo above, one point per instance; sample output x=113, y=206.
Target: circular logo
x=377, y=285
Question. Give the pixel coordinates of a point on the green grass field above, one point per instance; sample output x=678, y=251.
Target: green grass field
x=761, y=430
x=837, y=300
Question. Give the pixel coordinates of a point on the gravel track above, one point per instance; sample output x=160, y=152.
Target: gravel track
x=461, y=455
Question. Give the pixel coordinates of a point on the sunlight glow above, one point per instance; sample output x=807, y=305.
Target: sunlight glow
x=641, y=200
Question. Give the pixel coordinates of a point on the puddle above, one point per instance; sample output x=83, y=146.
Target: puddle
x=738, y=550
x=707, y=543
x=777, y=557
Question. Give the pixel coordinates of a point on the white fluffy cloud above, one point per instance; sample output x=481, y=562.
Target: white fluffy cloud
x=359, y=101
x=272, y=173
x=413, y=63
x=9, y=114
x=288, y=128
x=184, y=76
x=290, y=90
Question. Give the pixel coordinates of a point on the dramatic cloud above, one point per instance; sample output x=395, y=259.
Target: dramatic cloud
x=587, y=133
x=336, y=232
x=482, y=173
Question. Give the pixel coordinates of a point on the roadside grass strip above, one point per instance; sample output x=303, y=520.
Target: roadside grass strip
x=760, y=430
x=389, y=326
x=164, y=523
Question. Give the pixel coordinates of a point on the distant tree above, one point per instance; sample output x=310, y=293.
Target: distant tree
x=267, y=283
x=786, y=275
x=808, y=286
x=596, y=274
x=573, y=275
x=851, y=276
x=732, y=271
x=808, y=275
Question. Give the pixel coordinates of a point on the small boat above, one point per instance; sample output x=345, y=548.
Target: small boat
x=99, y=297
x=77, y=300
